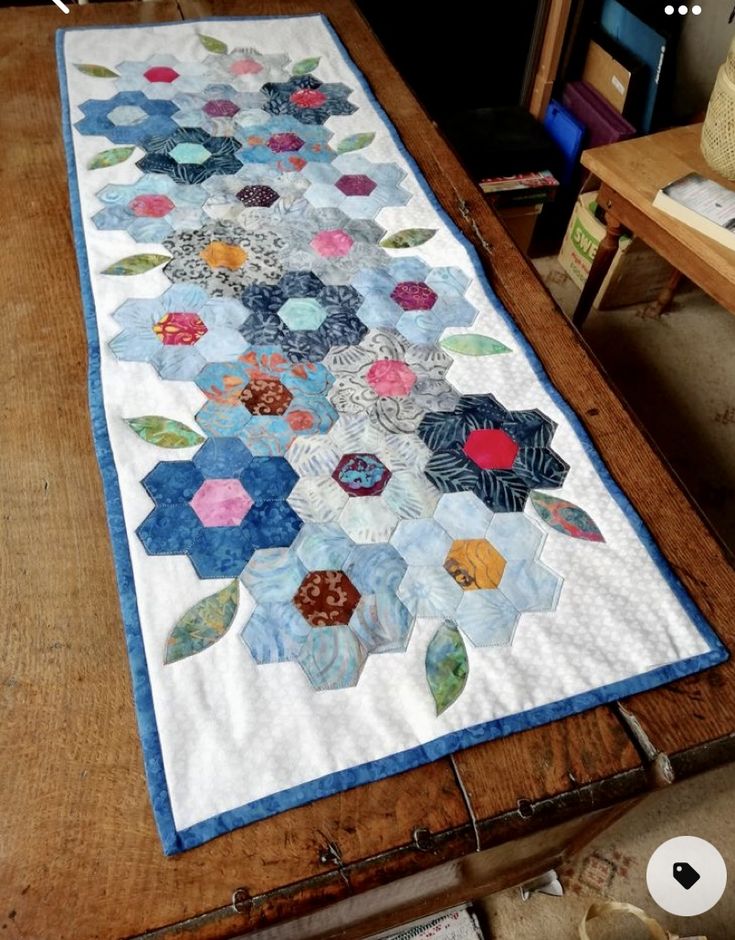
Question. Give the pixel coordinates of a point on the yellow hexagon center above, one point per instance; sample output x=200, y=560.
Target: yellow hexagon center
x=222, y=255
x=475, y=564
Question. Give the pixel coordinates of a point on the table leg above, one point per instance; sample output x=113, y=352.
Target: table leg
x=662, y=303
x=600, y=266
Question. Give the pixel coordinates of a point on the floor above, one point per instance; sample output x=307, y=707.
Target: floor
x=677, y=374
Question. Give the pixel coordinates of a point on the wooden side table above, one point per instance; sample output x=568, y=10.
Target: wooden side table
x=79, y=855
x=630, y=174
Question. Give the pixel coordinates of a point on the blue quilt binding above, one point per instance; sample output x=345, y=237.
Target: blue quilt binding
x=175, y=840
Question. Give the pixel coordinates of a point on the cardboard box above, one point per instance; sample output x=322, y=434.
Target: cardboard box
x=614, y=80
x=637, y=273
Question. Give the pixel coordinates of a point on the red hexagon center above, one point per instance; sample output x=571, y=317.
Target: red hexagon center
x=257, y=196
x=221, y=502
x=326, y=598
x=245, y=67
x=414, y=295
x=179, y=329
x=355, y=184
x=151, y=205
x=220, y=107
x=491, y=449
x=284, y=143
x=390, y=378
x=161, y=73
x=265, y=395
x=308, y=98
x=334, y=243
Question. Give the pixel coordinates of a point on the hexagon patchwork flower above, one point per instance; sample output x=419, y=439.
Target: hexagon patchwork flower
x=361, y=478
x=479, y=569
x=127, y=118
x=332, y=245
x=326, y=604
x=162, y=76
x=248, y=69
x=265, y=400
x=302, y=316
x=216, y=108
x=190, y=155
x=283, y=142
x=219, y=507
x=224, y=257
x=417, y=300
x=256, y=192
x=307, y=99
x=150, y=208
x=497, y=454
x=390, y=380
x=179, y=332
x=355, y=185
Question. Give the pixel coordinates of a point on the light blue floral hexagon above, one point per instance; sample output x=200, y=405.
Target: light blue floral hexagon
x=151, y=207
x=265, y=400
x=216, y=108
x=434, y=586
x=417, y=300
x=355, y=185
x=331, y=654
x=282, y=142
x=162, y=76
x=203, y=330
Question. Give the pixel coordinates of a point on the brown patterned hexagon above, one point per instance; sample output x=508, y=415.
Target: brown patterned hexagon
x=326, y=598
x=265, y=395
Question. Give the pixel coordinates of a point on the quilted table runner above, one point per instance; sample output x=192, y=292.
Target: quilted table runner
x=355, y=527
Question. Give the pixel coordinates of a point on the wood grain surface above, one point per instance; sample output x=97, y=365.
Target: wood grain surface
x=79, y=855
x=635, y=170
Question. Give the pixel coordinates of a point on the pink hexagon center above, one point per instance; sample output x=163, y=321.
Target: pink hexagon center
x=221, y=502
x=151, y=206
x=390, y=378
x=179, y=328
x=414, y=295
x=355, y=184
x=245, y=67
x=334, y=243
x=308, y=98
x=220, y=107
x=491, y=449
x=161, y=73
x=285, y=143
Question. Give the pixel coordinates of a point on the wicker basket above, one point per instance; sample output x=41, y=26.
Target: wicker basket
x=718, y=132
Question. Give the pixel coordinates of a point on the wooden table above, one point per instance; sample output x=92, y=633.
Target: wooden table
x=79, y=855
x=630, y=174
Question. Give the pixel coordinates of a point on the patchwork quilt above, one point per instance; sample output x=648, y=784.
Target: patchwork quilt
x=355, y=527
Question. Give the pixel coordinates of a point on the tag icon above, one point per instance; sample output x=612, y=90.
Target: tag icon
x=685, y=875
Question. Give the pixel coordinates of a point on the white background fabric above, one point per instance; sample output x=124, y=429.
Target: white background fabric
x=231, y=731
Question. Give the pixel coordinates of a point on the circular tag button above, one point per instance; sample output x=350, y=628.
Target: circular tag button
x=686, y=876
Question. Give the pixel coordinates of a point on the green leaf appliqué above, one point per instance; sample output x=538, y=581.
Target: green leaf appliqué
x=164, y=432
x=473, y=344
x=355, y=142
x=213, y=45
x=110, y=157
x=447, y=666
x=203, y=624
x=566, y=517
x=305, y=66
x=408, y=238
x=96, y=71
x=136, y=264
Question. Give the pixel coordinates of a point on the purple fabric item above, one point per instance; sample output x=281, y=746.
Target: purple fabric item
x=604, y=124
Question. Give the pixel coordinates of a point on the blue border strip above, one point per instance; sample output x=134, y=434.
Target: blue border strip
x=177, y=840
